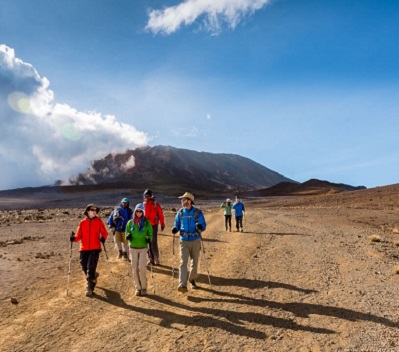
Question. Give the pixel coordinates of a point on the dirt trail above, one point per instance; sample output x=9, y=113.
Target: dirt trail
x=297, y=279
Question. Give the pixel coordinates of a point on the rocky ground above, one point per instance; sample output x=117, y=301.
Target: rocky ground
x=308, y=274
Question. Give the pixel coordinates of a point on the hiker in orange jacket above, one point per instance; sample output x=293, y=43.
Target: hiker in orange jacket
x=154, y=213
x=91, y=233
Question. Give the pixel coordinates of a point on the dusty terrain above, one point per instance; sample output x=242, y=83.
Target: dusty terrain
x=304, y=276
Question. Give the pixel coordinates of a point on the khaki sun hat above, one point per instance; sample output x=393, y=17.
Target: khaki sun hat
x=189, y=196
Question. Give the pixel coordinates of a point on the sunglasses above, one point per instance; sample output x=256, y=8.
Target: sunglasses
x=95, y=210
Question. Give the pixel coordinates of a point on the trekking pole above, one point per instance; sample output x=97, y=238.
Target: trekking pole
x=206, y=262
x=173, y=258
x=152, y=274
x=69, y=266
x=106, y=256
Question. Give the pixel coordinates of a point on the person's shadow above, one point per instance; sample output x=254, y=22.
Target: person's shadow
x=207, y=317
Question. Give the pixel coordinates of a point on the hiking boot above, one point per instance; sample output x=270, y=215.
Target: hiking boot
x=230, y=229
x=120, y=255
x=193, y=284
x=138, y=293
x=95, y=278
x=156, y=262
x=126, y=256
x=182, y=289
x=144, y=292
x=242, y=230
x=151, y=262
x=89, y=292
x=226, y=228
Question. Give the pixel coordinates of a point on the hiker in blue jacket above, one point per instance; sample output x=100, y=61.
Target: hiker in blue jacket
x=190, y=222
x=239, y=210
x=118, y=220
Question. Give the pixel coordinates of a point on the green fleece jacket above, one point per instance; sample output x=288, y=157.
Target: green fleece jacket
x=139, y=235
x=227, y=208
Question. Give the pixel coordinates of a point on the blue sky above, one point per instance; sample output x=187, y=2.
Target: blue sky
x=306, y=88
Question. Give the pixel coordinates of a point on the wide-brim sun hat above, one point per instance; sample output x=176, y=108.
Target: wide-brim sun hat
x=91, y=206
x=189, y=196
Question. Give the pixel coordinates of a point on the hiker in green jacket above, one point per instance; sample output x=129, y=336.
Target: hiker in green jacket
x=227, y=213
x=139, y=235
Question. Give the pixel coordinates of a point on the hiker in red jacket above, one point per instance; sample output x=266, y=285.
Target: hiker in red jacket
x=91, y=233
x=154, y=213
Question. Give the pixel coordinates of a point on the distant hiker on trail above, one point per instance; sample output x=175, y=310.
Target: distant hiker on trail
x=91, y=232
x=118, y=221
x=154, y=214
x=190, y=222
x=239, y=210
x=139, y=235
x=227, y=213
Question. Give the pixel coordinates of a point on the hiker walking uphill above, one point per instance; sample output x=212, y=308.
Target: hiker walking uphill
x=91, y=233
x=227, y=213
x=239, y=210
x=139, y=235
x=154, y=214
x=190, y=222
x=118, y=220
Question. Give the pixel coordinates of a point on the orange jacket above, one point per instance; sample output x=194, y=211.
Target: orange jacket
x=153, y=212
x=89, y=232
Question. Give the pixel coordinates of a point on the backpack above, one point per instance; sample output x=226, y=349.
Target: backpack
x=114, y=218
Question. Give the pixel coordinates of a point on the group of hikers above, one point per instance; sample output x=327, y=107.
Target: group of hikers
x=136, y=237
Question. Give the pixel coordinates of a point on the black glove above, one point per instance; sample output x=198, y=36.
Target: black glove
x=72, y=238
x=174, y=230
x=102, y=239
x=147, y=239
x=198, y=226
x=129, y=236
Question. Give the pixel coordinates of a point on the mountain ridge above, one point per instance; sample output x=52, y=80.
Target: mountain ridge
x=166, y=165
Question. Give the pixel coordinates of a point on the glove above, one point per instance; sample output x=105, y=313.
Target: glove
x=72, y=238
x=174, y=230
x=147, y=239
x=102, y=239
x=129, y=236
x=198, y=226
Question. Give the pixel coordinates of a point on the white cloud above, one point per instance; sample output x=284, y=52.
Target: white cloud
x=215, y=13
x=43, y=141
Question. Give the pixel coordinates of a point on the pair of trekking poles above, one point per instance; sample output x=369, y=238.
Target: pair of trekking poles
x=106, y=256
x=203, y=252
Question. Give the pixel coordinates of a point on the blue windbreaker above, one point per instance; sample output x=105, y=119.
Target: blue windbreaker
x=185, y=222
x=238, y=207
x=125, y=214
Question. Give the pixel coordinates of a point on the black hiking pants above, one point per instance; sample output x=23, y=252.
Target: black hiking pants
x=227, y=221
x=238, y=222
x=88, y=261
x=153, y=251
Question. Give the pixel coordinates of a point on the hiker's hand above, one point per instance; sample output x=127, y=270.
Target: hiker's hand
x=129, y=236
x=147, y=239
x=162, y=228
x=198, y=226
x=72, y=238
x=102, y=239
x=174, y=230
